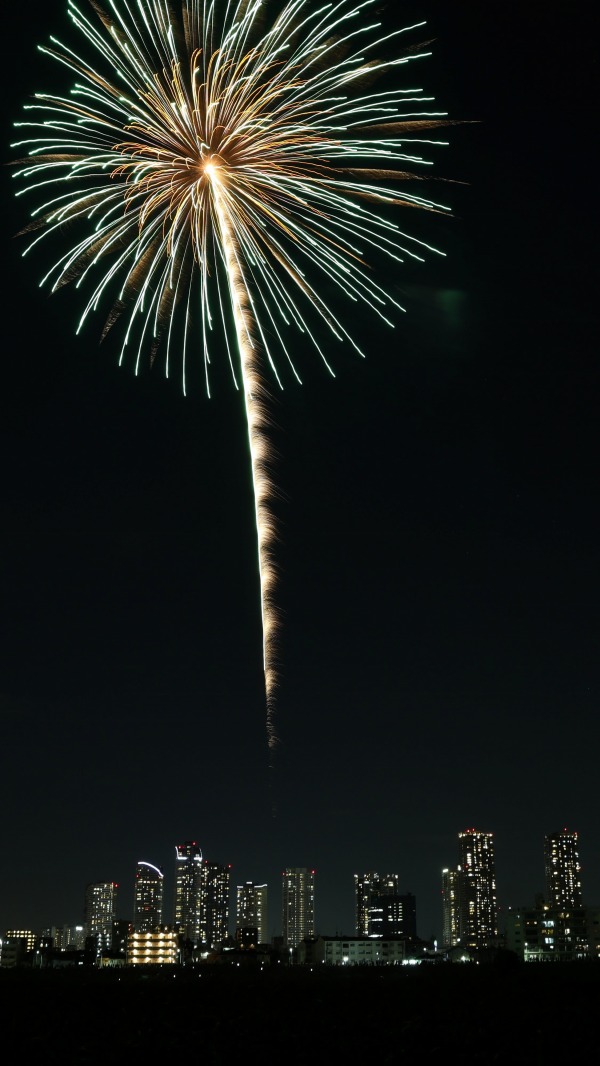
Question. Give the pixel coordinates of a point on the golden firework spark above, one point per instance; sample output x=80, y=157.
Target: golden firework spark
x=217, y=160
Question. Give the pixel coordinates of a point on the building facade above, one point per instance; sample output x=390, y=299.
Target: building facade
x=148, y=897
x=66, y=937
x=450, y=934
x=381, y=910
x=553, y=934
x=562, y=869
x=214, y=903
x=477, y=889
x=351, y=951
x=201, y=906
x=298, y=899
x=251, y=910
x=100, y=911
x=469, y=906
x=367, y=887
x=157, y=947
x=188, y=890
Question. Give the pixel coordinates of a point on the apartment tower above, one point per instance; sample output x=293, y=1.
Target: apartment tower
x=251, y=910
x=469, y=893
x=214, y=903
x=381, y=910
x=188, y=890
x=100, y=911
x=148, y=897
x=561, y=859
x=298, y=897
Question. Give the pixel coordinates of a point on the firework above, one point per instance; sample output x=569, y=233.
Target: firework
x=215, y=164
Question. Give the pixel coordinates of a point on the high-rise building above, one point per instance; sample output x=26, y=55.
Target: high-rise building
x=298, y=897
x=214, y=903
x=148, y=897
x=381, y=910
x=477, y=888
x=469, y=893
x=201, y=911
x=394, y=914
x=65, y=937
x=188, y=890
x=367, y=887
x=450, y=919
x=251, y=910
x=100, y=912
x=563, y=886
x=120, y=931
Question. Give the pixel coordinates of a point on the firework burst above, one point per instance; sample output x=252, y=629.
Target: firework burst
x=215, y=163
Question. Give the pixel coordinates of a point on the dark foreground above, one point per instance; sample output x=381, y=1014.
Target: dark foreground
x=535, y=1014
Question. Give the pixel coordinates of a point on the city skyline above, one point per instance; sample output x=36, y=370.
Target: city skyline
x=439, y=523
x=468, y=909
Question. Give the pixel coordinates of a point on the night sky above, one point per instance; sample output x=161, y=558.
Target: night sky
x=439, y=541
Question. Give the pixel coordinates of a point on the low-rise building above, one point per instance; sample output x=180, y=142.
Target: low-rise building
x=550, y=934
x=351, y=951
x=159, y=947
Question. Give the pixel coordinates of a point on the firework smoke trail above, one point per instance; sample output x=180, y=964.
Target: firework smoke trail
x=214, y=162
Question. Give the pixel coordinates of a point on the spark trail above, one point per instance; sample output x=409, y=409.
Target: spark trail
x=255, y=396
x=215, y=163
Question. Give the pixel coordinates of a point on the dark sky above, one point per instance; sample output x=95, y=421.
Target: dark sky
x=439, y=544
